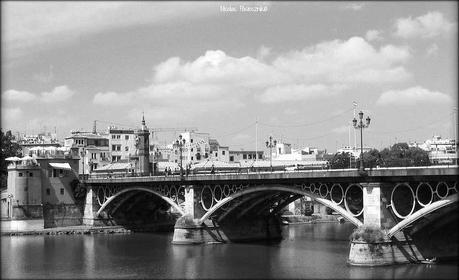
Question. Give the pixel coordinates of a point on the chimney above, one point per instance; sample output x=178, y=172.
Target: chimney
x=94, y=130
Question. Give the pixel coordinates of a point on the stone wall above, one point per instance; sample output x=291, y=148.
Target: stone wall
x=62, y=215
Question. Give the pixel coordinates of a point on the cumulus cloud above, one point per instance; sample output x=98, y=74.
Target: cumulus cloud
x=373, y=35
x=18, y=96
x=217, y=80
x=429, y=25
x=58, y=94
x=412, y=96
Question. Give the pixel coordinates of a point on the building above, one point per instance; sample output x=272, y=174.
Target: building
x=41, y=140
x=245, y=156
x=92, y=147
x=195, y=149
x=36, y=181
x=441, y=151
x=355, y=152
x=121, y=143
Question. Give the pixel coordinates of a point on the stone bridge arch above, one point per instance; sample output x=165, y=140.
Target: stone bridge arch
x=116, y=193
x=288, y=189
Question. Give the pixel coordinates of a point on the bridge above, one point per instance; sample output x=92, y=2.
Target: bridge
x=413, y=206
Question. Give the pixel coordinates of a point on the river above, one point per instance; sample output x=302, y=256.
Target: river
x=307, y=251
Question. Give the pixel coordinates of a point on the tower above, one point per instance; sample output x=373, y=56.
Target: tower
x=143, y=148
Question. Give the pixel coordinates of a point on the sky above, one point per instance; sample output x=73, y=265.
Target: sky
x=291, y=70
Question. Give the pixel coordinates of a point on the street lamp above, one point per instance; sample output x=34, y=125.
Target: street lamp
x=360, y=125
x=179, y=144
x=271, y=144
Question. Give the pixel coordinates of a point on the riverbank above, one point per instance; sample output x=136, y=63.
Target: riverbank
x=35, y=227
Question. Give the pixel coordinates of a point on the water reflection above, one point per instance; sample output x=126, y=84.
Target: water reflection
x=307, y=251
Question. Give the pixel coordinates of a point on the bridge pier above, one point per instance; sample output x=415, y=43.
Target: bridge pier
x=370, y=244
x=90, y=209
x=191, y=229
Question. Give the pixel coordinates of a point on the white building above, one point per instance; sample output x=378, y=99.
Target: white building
x=441, y=151
x=122, y=143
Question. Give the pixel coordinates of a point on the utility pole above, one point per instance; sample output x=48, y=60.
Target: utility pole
x=256, y=138
x=355, y=137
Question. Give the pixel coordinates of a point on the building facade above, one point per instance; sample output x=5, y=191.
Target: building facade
x=93, y=148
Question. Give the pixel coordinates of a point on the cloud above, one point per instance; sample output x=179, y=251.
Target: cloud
x=28, y=26
x=354, y=6
x=373, y=35
x=58, y=94
x=412, y=96
x=354, y=61
x=217, y=81
x=432, y=50
x=18, y=96
x=429, y=25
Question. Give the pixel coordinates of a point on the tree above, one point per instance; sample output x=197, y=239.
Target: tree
x=340, y=161
x=371, y=159
x=401, y=155
x=9, y=149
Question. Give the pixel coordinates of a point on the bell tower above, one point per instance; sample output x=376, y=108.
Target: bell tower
x=143, y=148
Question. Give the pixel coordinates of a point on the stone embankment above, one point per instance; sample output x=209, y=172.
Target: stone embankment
x=67, y=231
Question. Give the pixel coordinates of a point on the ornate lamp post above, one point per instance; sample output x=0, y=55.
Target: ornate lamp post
x=360, y=125
x=179, y=144
x=271, y=144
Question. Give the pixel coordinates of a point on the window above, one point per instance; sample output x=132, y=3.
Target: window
x=191, y=140
x=223, y=152
x=244, y=156
x=250, y=156
x=126, y=148
x=48, y=191
x=216, y=154
x=231, y=158
x=191, y=149
x=126, y=137
x=116, y=147
x=20, y=174
x=280, y=150
x=62, y=191
x=191, y=158
x=93, y=156
x=31, y=174
x=118, y=136
x=113, y=136
x=61, y=172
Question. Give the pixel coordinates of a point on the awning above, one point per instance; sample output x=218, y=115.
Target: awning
x=64, y=165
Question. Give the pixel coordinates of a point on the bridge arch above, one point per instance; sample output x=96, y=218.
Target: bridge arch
x=437, y=205
x=348, y=216
x=165, y=198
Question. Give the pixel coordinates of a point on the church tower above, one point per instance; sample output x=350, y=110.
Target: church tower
x=143, y=148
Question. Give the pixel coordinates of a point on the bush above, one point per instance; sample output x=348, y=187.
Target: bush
x=368, y=234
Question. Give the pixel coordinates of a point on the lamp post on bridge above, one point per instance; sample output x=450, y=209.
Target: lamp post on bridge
x=360, y=125
x=179, y=144
x=271, y=144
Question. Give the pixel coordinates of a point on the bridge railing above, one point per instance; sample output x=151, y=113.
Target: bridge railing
x=194, y=173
